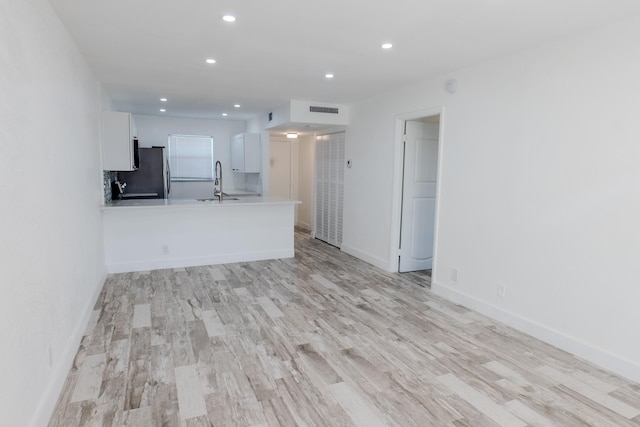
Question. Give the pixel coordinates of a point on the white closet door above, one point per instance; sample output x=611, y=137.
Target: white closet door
x=322, y=190
x=329, y=187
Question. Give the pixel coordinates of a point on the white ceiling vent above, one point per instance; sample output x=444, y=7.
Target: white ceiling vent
x=328, y=110
x=303, y=113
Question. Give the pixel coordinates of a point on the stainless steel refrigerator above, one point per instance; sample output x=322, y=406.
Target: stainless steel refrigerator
x=152, y=179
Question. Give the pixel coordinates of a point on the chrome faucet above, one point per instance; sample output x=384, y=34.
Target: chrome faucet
x=218, y=182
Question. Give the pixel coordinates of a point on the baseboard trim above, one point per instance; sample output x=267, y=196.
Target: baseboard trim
x=45, y=408
x=159, y=264
x=575, y=346
x=366, y=257
x=304, y=226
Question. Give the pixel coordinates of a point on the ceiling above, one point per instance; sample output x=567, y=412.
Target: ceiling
x=142, y=50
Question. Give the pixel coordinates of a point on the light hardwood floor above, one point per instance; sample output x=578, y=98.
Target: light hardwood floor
x=322, y=339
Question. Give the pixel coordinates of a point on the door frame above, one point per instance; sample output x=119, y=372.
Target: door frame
x=398, y=167
x=314, y=170
x=294, y=171
x=325, y=132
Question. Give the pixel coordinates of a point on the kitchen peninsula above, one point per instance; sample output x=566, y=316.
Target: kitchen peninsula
x=144, y=235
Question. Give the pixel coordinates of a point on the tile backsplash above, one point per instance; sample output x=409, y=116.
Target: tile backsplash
x=109, y=177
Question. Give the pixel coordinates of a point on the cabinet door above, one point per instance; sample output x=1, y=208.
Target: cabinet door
x=237, y=153
x=245, y=153
x=118, y=148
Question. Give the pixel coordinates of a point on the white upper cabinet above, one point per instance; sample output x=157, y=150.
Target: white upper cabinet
x=245, y=153
x=119, y=142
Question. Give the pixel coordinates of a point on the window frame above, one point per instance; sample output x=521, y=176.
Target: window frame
x=173, y=149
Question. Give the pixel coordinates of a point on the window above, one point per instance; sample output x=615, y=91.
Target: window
x=191, y=157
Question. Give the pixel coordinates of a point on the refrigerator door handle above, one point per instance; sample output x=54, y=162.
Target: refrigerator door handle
x=168, y=178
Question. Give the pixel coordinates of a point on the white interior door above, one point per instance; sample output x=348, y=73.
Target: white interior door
x=419, y=195
x=280, y=169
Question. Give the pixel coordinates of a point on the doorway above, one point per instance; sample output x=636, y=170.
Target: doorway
x=329, y=187
x=280, y=169
x=419, y=182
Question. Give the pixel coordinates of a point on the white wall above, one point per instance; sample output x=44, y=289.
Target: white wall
x=155, y=130
x=51, y=257
x=539, y=190
x=305, y=181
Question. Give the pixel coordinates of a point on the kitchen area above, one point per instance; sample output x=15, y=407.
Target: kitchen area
x=182, y=192
x=190, y=177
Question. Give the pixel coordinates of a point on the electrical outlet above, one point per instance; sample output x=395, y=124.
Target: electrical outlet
x=501, y=291
x=454, y=274
x=165, y=249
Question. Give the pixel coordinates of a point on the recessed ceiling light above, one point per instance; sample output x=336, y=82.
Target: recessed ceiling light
x=224, y=114
x=236, y=105
x=229, y=18
x=163, y=99
x=292, y=135
x=329, y=75
x=162, y=110
x=386, y=45
x=211, y=61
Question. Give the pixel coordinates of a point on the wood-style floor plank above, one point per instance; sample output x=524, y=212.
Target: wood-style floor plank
x=321, y=339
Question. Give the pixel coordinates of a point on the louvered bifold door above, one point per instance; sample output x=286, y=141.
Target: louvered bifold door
x=329, y=187
x=322, y=188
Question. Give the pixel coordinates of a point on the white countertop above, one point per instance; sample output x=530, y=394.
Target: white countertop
x=190, y=203
x=242, y=193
